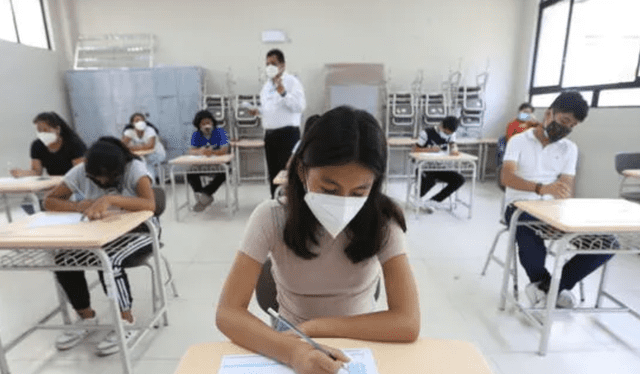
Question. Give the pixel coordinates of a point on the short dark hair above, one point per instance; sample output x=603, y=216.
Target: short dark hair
x=202, y=115
x=571, y=102
x=52, y=119
x=278, y=53
x=108, y=156
x=340, y=136
x=450, y=123
x=524, y=106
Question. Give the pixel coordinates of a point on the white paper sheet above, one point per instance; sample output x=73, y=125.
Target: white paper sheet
x=361, y=363
x=56, y=219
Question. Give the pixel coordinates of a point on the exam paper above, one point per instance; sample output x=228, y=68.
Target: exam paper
x=56, y=219
x=361, y=363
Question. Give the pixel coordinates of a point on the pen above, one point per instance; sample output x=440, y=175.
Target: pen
x=301, y=334
x=83, y=217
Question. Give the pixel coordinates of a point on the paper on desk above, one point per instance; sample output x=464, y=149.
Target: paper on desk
x=361, y=363
x=56, y=219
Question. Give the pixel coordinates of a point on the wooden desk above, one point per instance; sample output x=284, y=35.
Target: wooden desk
x=574, y=226
x=89, y=244
x=430, y=161
x=144, y=152
x=423, y=356
x=190, y=164
x=631, y=173
x=29, y=186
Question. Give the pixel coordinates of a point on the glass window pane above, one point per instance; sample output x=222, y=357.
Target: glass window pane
x=553, y=29
x=620, y=97
x=603, y=51
x=30, y=20
x=545, y=100
x=7, y=27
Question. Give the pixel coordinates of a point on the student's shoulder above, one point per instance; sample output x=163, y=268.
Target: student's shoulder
x=37, y=146
x=270, y=209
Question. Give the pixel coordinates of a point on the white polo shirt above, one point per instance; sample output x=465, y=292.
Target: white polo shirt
x=539, y=164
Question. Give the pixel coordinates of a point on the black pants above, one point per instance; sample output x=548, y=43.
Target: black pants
x=278, y=145
x=453, y=180
x=196, y=183
x=75, y=285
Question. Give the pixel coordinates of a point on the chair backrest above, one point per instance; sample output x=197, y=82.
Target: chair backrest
x=627, y=160
x=266, y=288
x=161, y=201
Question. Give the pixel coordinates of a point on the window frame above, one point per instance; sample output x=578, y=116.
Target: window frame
x=559, y=88
x=44, y=21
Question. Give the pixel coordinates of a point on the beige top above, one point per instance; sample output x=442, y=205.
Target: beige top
x=585, y=215
x=423, y=356
x=328, y=285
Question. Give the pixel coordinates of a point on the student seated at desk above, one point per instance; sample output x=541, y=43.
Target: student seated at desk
x=140, y=135
x=111, y=177
x=540, y=164
x=327, y=241
x=523, y=122
x=441, y=138
x=207, y=140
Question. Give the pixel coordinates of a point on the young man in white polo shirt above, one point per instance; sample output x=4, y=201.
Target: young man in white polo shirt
x=539, y=164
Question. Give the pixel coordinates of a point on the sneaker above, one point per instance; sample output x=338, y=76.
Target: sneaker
x=426, y=206
x=536, y=296
x=566, y=300
x=199, y=207
x=70, y=338
x=109, y=345
x=203, y=201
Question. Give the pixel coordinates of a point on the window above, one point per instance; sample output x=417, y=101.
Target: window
x=23, y=21
x=592, y=46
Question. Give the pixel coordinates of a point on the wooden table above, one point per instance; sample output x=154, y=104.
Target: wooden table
x=423, y=356
x=437, y=161
x=572, y=227
x=29, y=186
x=190, y=164
x=631, y=173
x=88, y=243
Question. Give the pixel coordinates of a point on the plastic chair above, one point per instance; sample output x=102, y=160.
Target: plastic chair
x=629, y=186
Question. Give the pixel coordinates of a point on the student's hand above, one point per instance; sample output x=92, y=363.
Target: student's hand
x=254, y=112
x=98, y=209
x=433, y=148
x=207, y=152
x=557, y=189
x=16, y=173
x=308, y=360
x=454, y=153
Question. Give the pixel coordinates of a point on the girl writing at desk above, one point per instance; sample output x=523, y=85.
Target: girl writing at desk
x=111, y=177
x=327, y=242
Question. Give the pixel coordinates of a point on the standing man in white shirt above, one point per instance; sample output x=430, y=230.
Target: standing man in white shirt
x=539, y=164
x=282, y=102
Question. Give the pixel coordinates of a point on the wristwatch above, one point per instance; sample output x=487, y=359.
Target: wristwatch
x=284, y=93
x=538, y=188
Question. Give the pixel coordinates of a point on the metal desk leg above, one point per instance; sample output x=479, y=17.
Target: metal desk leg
x=601, y=284
x=7, y=207
x=115, y=309
x=552, y=297
x=173, y=192
x=227, y=190
x=473, y=188
x=4, y=367
x=158, y=273
x=511, y=250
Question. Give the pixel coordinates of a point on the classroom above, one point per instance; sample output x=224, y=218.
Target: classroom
x=200, y=77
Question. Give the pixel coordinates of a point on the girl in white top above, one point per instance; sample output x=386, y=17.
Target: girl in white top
x=141, y=136
x=327, y=242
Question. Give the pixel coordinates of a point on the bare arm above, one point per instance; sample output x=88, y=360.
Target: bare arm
x=141, y=147
x=400, y=323
x=36, y=169
x=562, y=188
x=58, y=200
x=77, y=161
x=243, y=328
x=434, y=148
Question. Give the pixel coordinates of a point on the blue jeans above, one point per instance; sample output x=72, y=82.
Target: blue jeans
x=533, y=252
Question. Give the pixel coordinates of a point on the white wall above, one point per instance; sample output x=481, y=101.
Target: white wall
x=32, y=82
x=406, y=35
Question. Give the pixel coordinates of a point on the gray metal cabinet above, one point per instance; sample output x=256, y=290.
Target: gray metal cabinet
x=103, y=100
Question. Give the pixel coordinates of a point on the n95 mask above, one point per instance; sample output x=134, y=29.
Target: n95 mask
x=334, y=212
x=140, y=125
x=271, y=71
x=47, y=137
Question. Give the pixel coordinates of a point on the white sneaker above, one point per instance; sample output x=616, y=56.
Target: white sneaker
x=536, y=296
x=426, y=206
x=109, y=345
x=566, y=300
x=203, y=201
x=70, y=338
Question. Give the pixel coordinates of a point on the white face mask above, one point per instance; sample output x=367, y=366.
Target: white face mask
x=47, y=138
x=140, y=125
x=271, y=71
x=334, y=212
x=524, y=116
x=444, y=135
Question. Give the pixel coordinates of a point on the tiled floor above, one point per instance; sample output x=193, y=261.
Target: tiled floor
x=446, y=252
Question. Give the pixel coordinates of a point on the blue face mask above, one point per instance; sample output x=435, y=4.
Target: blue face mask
x=524, y=116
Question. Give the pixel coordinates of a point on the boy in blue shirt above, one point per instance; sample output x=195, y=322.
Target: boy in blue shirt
x=207, y=140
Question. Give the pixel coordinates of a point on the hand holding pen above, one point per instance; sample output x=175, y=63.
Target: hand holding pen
x=313, y=358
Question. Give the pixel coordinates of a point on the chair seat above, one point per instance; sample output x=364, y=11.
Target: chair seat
x=633, y=196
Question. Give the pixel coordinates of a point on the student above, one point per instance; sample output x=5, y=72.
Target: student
x=207, y=140
x=57, y=147
x=111, y=177
x=524, y=121
x=140, y=135
x=327, y=240
x=540, y=164
x=439, y=139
